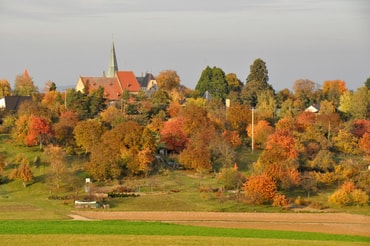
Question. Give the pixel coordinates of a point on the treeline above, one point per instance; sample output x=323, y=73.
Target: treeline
x=200, y=131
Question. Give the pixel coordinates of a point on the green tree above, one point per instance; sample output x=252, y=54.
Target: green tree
x=214, y=81
x=266, y=105
x=257, y=82
x=231, y=178
x=97, y=102
x=234, y=84
x=367, y=83
x=258, y=72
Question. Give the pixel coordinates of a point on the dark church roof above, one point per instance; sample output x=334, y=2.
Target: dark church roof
x=144, y=81
x=13, y=102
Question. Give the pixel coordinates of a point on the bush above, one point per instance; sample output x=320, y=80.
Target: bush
x=279, y=201
x=349, y=196
x=121, y=194
x=359, y=197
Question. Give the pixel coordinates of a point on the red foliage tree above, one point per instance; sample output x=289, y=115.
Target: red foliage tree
x=360, y=127
x=173, y=135
x=39, y=131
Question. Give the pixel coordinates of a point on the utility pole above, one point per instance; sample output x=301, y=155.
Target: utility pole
x=252, y=129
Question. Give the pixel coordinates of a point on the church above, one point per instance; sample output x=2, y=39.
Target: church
x=115, y=82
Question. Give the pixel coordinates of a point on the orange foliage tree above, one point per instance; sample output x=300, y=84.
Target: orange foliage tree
x=232, y=137
x=259, y=189
x=261, y=132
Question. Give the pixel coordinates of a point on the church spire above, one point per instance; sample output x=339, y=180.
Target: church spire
x=113, y=66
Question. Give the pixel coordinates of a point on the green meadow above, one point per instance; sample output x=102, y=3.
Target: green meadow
x=46, y=232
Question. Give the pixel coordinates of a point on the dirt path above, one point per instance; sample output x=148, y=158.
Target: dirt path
x=336, y=223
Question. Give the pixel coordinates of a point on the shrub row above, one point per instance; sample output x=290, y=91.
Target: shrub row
x=121, y=194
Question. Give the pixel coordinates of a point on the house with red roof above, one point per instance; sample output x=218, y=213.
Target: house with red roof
x=115, y=82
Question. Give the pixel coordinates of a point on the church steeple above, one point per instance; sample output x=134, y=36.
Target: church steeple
x=113, y=66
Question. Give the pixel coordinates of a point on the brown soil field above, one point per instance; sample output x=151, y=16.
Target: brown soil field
x=334, y=223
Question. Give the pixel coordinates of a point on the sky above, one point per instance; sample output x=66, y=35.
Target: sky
x=298, y=39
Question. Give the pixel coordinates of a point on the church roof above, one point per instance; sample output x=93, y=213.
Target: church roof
x=144, y=81
x=128, y=81
x=112, y=89
x=113, y=65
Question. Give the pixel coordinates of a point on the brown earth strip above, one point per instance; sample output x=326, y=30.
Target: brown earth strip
x=335, y=223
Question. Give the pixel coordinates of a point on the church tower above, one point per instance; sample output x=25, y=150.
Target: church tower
x=113, y=66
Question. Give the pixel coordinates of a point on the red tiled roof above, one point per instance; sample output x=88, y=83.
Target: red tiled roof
x=128, y=81
x=112, y=89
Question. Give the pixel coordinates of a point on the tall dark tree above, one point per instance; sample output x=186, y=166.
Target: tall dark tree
x=257, y=82
x=258, y=72
x=214, y=81
x=367, y=83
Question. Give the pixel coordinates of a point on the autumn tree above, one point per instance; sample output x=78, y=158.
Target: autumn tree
x=279, y=159
x=24, y=85
x=21, y=128
x=346, y=142
x=58, y=172
x=304, y=90
x=214, y=81
x=197, y=154
x=173, y=135
x=127, y=146
x=259, y=189
x=23, y=171
x=323, y=161
x=231, y=178
x=87, y=134
x=168, y=80
x=223, y=154
x=360, y=103
x=262, y=130
x=238, y=116
x=348, y=195
x=39, y=132
x=5, y=89
x=345, y=101
x=63, y=130
x=194, y=117
x=232, y=137
x=333, y=89
x=266, y=105
x=2, y=165
x=281, y=145
x=112, y=116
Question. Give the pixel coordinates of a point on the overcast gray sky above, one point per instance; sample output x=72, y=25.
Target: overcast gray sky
x=62, y=40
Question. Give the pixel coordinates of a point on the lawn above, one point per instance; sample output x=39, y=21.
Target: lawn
x=13, y=230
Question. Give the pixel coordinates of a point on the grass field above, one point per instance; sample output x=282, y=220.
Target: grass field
x=156, y=233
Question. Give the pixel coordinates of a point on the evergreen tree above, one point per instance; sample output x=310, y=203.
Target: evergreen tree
x=214, y=81
x=257, y=82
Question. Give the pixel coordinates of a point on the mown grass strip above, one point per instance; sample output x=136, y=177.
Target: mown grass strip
x=35, y=227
